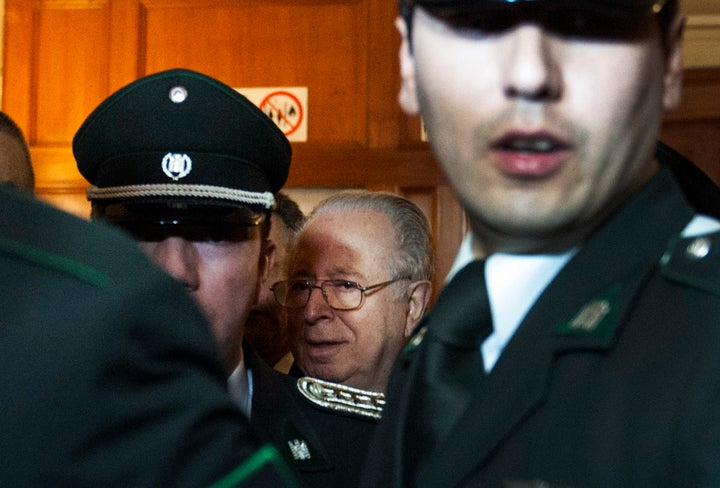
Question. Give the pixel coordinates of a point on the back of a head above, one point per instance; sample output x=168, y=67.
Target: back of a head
x=289, y=212
x=15, y=163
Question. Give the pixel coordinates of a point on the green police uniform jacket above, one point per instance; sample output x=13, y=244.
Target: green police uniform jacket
x=323, y=438
x=611, y=380
x=108, y=375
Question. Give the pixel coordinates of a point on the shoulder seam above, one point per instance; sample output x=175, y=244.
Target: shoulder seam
x=55, y=262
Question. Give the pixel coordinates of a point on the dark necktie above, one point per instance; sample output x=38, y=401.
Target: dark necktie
x=451, y=363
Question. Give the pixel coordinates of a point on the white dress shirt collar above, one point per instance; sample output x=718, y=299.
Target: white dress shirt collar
x=240, y=386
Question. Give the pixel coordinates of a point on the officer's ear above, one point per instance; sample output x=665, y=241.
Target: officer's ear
x=408, y=87
x=418, y=298
x=674, y=64
x=268, y=256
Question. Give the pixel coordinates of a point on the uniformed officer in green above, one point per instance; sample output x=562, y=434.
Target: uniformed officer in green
x=578, y=343
x=190, y=167
x=108, y=373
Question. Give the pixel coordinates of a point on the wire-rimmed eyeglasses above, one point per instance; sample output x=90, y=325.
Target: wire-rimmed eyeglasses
x=338, y=294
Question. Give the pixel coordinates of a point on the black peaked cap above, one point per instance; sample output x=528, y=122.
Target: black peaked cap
x=181, y=135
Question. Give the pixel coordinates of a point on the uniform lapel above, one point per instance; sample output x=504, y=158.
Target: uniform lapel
x=492, y=412
x=572, y=313
x=277, y=415
x=405, y=374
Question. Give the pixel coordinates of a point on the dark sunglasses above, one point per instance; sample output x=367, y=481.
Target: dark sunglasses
x=566, y=21
x=156, y=232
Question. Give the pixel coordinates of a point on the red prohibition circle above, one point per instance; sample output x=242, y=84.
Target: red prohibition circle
x=267, y=102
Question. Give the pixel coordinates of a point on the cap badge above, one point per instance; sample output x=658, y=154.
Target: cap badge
x=178, y=94
x=299, y=449
x=176, y=165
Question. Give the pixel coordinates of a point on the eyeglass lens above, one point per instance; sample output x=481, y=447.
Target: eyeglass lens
x=339, y=294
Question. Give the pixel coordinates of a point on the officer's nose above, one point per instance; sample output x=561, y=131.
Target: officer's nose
x=178, y=257
x=531, y=70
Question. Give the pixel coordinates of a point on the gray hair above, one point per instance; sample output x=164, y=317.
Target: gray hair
x=415, y=259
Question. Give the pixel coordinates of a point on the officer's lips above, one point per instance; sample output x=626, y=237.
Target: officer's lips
x=529, y=155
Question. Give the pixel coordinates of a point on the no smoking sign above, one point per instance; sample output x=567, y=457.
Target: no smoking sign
x=286, y=106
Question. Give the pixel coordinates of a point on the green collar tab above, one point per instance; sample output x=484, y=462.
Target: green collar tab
x=266, y=455
x=597, y=318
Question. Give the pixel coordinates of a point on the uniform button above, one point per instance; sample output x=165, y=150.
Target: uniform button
x=699, y=248
x=178, y=94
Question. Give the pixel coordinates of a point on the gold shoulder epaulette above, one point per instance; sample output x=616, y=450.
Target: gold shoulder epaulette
x=342, y=398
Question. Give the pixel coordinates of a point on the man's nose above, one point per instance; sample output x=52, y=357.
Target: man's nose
x=179, y=258
x=316, y=307
x=531, y=70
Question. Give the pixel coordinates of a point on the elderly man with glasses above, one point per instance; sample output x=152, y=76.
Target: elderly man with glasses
x=359, y=283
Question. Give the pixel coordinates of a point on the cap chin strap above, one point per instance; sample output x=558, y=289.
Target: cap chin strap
x=265, y=199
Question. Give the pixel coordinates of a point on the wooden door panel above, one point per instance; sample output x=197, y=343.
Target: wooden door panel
x=694, y=129
x=63, y=90
x=321, y=45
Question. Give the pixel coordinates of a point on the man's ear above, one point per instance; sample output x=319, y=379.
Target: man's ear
x=267, y=259
x=408, y=88
x=418, y=299
x=674, y=64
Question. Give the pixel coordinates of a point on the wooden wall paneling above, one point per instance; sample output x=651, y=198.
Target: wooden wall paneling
x=321, y=45
x=698, y=140
x=59, y=65
x=339, y=166
x=70, y=69
x=384, y=114
x=126, y=51
x=451, y=227
x=18, y=39
x=694, y=129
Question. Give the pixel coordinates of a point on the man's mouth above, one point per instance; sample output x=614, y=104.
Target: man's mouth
x=529, y=156
x=321, y=350
x=322, y=344
x=527, y=144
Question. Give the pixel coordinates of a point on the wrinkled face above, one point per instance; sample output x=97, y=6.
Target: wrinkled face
x=354, y=347
x=221, y=276
x=540, y=135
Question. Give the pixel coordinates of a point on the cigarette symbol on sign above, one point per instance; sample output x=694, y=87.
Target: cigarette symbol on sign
x=284, y=109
